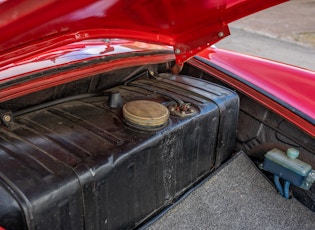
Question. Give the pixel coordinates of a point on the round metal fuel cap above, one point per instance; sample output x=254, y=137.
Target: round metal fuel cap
x=146, y=115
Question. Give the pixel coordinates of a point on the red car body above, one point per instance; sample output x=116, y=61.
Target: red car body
x=46, y=44
x=188, y=27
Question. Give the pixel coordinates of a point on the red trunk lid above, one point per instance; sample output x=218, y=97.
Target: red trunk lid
x=30, y=27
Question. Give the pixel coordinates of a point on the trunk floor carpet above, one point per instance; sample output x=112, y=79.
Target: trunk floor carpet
x=237, y=196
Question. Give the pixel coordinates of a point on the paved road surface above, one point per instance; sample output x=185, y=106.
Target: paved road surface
x=285, y=33
x=270, y=48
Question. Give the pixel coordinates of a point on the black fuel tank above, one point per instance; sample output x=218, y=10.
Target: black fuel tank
x=83, y=164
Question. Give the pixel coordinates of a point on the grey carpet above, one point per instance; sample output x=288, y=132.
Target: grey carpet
x=238, y=196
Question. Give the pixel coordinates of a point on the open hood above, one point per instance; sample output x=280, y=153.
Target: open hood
x=32, y=26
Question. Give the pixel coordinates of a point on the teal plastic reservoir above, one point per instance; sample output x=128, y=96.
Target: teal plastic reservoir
x=289, y=161
x=288, y=167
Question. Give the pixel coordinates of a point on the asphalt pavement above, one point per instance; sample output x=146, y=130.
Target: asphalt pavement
x=284, y=33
